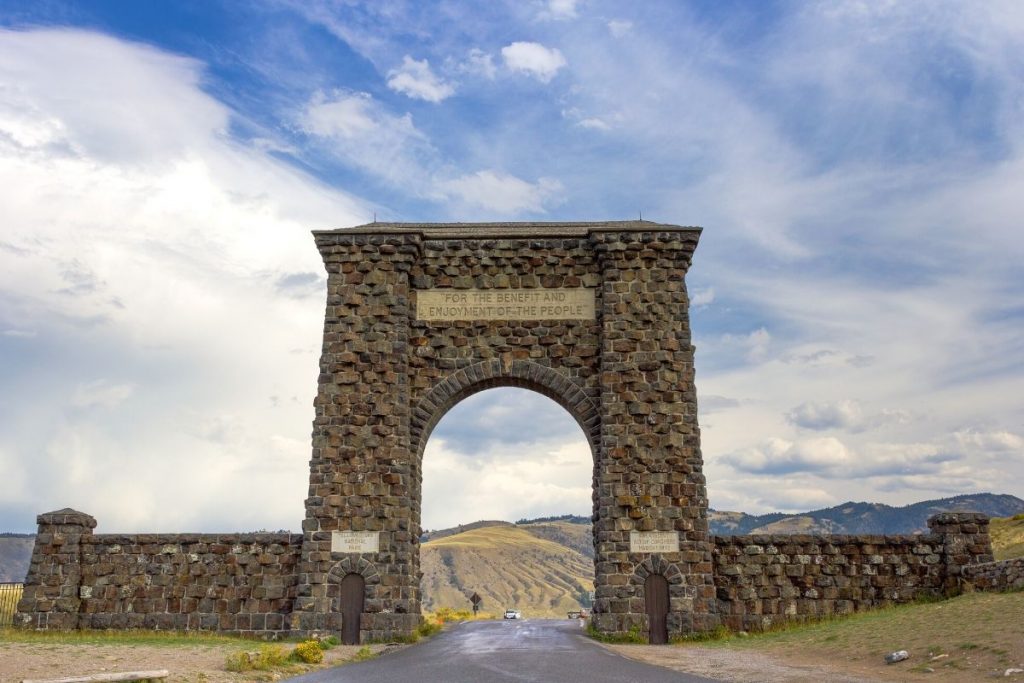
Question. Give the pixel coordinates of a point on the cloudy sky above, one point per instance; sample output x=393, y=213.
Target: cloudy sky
x=858, y=292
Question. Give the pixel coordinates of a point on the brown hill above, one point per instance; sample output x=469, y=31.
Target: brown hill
x=509, y=567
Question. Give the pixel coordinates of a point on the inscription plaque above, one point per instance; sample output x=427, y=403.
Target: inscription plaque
x=506, y=304
x=653, y=541
x=355, y=541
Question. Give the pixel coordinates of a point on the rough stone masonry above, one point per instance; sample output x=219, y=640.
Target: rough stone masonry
x=420, y=316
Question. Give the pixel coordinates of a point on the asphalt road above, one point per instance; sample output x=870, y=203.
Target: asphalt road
x=545, y=650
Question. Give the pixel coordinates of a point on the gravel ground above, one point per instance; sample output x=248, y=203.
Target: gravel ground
x=736, y=666
x=196, y=664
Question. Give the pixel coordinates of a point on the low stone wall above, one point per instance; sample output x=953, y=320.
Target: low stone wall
x=249, y=583
x=996, y=576
x=763, y=580
x=236, y=583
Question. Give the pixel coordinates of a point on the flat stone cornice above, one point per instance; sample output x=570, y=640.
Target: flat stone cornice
x=507, y=230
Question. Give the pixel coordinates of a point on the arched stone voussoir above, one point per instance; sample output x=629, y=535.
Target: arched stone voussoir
x=656, y=564
x=495, y=373
x=354, y=565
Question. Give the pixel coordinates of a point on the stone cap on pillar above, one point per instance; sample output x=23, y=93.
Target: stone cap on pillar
x=952, y=519
x=66, y=517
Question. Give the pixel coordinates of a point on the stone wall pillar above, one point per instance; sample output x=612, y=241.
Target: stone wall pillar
x=362, y=468
x=649, y=474
x=52, y=597
x=965, y=541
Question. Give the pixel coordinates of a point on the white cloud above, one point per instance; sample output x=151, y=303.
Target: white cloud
x=620, y=27
x=369, y=137
x=779, y=456
x=101, y=393
x=999, y=442
x=552, y=478
x=754, y=344
x=151, y=79
x=480, y=63
x=593, y=124
x=560, y=10
x=503, y=193
x=363, y=133
x=533, y=59
x=702, y=297
x=845, y=414
x=415, y=79
x=145, y=244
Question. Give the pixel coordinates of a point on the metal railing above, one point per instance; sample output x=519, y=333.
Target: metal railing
x=10, y=594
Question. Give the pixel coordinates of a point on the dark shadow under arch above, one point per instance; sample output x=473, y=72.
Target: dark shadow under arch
x=494, y=374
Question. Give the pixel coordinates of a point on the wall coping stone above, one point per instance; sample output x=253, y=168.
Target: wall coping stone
x=254, y=537
x=508, y=229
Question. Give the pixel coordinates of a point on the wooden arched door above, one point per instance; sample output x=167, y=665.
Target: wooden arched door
x=656, y=603
x=353, y=589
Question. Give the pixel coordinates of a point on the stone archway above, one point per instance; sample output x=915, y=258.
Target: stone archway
x=419, y=316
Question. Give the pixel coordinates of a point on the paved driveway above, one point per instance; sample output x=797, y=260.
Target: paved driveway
x=545, y=650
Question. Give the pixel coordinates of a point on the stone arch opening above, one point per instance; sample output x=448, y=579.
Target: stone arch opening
x=509, y=453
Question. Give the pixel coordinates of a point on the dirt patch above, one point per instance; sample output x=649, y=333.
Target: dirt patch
x=970, y=638
x=193, y=663
x=734, y=666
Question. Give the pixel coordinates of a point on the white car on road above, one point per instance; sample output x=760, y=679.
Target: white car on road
x=513, y=614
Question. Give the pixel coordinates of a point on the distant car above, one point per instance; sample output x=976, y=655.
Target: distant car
x=513, y=614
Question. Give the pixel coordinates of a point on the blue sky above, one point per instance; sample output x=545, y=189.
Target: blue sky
x=858, y=291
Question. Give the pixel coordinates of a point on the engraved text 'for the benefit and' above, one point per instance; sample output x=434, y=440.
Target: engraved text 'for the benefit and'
x=505, y=304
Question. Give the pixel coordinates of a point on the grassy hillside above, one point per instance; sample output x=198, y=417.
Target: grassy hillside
x=572, y=535
x=509, y=567
x=974, y=637
x=1007, y=537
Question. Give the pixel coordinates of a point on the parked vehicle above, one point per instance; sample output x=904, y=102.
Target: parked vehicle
x=513, y=614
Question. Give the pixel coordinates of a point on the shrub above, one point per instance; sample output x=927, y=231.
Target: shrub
x=265, y=659
x=363, y=654
x=428, y=628
x=445, y=615
x=309, y=651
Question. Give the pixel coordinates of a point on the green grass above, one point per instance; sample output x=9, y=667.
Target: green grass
x=135, y=637
x=363, y=654
x=926, y=630
x=632, y=637
x=1007, y=535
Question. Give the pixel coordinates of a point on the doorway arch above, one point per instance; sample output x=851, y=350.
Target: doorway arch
x=352, y=600
x=656, y=606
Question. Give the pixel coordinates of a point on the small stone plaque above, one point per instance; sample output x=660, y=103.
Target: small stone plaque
x=653, y=542
x=577, y=303
x=355, y=541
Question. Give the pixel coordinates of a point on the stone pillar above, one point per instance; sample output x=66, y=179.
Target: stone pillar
x=650, y=474
x=362, y=468
x=51, y=599
x=965, y=541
